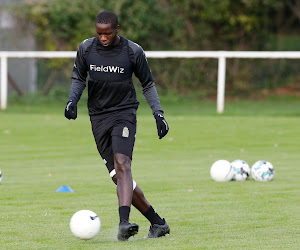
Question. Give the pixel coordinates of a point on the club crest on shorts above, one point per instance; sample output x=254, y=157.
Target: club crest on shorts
x=125, y=132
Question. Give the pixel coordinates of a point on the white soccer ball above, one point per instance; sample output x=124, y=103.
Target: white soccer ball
x=85, y=224
x=221, y=170
x=262, y=171
x=241, y=170
x=0, y=176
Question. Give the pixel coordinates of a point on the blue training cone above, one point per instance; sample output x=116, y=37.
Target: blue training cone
x=65, y=189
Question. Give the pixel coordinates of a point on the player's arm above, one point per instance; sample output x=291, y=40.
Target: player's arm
x=79, y=76
x=143, y=73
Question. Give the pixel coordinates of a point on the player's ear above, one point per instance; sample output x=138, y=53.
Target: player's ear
x=118, y=28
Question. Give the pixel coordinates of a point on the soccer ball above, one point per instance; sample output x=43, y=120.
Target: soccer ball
x=241, y=170
x=262, y=171
x=0, y=176
x=85, y=224
x=221, y=170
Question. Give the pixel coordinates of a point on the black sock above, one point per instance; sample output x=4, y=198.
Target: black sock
x=153, y=217
x=124, y=213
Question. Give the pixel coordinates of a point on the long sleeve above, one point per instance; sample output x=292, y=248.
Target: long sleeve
x=143, y=73
x=80, y=71
x=152, y=98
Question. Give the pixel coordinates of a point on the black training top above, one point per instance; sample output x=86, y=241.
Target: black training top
x=110, y=86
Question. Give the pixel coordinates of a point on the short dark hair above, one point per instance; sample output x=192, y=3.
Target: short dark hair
x=107, y=17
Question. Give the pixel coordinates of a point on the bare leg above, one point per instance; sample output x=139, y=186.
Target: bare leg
x=124, y=179
x=122, y=165
x=128, y=196
x=138, y=199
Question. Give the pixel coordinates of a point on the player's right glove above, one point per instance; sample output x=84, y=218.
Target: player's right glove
x=71, y=110
x=162, y=125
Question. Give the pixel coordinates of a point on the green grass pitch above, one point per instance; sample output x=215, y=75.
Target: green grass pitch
x=40, y=151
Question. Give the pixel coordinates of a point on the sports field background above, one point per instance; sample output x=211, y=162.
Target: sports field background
x=40, y=151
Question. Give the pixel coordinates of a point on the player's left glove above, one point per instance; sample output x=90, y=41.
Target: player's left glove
x=71, y=110
x=162, y=125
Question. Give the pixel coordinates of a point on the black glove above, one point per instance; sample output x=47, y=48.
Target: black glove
x=71, y=110
x=162, y=125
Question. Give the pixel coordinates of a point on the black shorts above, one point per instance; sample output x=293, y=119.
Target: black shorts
x=114, y=133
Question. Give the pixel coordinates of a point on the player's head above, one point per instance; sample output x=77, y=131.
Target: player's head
x=107, y=17
x=107, y=28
